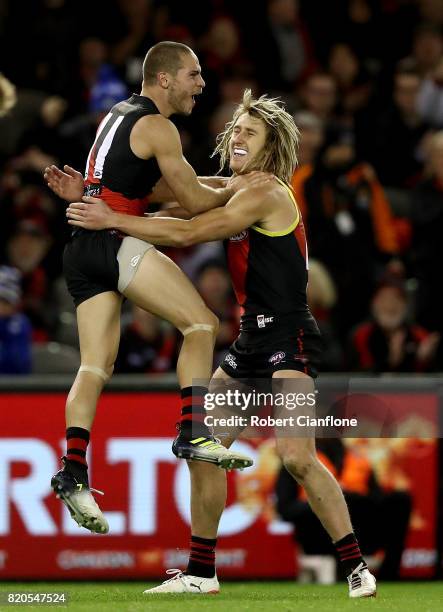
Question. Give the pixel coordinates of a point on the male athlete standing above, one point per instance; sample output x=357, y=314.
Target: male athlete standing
x=267, y=259
x=136, y=145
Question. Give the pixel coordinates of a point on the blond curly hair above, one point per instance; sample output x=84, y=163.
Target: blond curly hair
x=279, y=155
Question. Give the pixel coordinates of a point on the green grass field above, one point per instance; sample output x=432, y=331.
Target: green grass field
x=235, y=597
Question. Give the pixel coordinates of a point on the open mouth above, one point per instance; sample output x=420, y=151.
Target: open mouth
x=239, y=153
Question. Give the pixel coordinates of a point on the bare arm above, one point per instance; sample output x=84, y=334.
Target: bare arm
x=157, y=136
x=68, y=185
x=173, y=212
x=243, y=210
x=214, y=181
x=162, y=193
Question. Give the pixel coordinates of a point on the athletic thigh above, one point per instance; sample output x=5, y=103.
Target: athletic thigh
x=98, y=320
x=160, y=287
x=294, y=445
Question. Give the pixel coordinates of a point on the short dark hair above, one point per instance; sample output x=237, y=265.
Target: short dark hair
x=165, y=56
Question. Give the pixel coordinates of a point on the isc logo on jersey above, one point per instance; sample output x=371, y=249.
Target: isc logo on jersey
x=238, y=237
x=262, y=320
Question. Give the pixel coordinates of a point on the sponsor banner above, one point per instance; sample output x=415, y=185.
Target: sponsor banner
x=146, y=498
x=146, y=489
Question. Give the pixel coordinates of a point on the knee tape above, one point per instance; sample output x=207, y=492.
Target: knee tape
x=129, y=256
x=93, y=370
x=198, y=327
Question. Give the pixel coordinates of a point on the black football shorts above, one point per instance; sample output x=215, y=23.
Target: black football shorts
x=90, y=263
x=284, y=343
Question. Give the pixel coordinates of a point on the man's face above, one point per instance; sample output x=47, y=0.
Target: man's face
x=247, y=141
x=185, y=85
x=389, y=308
x=320, y=95
x=406, y=91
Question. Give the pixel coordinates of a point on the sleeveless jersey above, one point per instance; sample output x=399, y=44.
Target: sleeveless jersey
x=113, y=172
x=269, y=269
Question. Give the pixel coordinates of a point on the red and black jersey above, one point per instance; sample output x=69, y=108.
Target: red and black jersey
x=370, y=349
x=269, y=269
x=113, y=171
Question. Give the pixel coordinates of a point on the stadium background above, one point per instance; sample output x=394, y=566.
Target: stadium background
x=365, y=83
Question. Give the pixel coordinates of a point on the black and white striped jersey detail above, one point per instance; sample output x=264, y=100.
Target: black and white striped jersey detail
x=111, y=162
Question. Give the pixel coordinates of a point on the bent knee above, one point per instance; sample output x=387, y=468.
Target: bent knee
x=100, y=371
x=203, y=321
x=214, y=322
x=209, y=318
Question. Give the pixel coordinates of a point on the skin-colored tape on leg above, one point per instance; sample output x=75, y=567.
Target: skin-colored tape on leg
x=94, y=370
x=198, y=327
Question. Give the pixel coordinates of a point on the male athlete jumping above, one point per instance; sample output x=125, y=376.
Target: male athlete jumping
x=136, y=145
x=267, y=259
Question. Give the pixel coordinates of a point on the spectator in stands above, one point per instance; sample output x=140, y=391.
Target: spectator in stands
x=133, y=33
x=94, y=69
x=393, y=141
x=427, y=245
x=380, y=518
x=78, y=133
x=389, y=343
x=41, y=54
x=430, y=97
x=427, y=50
x=26, y=250
x=221, y=45
x=319, y=96
x=40, y=145
x=225, y=63
x=15, y=327
x=134, y=26
x=147, y=345
x=312, y=137
x=349, y=224
x=361, y=28
x=353, y=82
x=287, y=56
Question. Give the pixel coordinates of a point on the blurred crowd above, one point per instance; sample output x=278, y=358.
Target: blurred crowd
x=364, y=81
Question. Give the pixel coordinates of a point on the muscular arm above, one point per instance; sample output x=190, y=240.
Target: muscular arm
x=157, y=136
x=174, y=212
x=163, y=193
x=243, y=210
x=246, y=208
x=217, y=182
